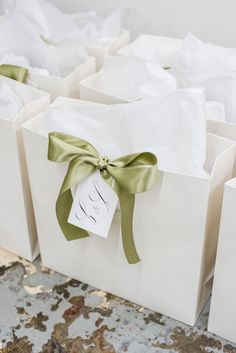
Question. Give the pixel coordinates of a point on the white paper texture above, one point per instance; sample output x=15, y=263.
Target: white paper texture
x=98, y=31
x=210, y=66
x=194, y=64
x=172, y=126
x=131, y=78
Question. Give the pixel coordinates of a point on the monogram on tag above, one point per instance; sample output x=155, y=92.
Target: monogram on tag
x=94, y=205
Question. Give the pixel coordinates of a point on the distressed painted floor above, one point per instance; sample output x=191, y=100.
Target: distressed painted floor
x=44, y=312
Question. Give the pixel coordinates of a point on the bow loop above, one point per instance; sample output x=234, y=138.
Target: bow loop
x=136, y=172
x=63, y=148
x=126, y=175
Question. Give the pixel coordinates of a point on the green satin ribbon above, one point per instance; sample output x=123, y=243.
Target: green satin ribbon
x=128, y=175
x=14, y=72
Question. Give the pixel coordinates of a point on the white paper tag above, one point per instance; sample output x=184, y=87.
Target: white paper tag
x=94, y=205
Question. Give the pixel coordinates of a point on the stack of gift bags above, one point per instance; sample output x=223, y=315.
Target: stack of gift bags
x=34, y=71
x=122, y=188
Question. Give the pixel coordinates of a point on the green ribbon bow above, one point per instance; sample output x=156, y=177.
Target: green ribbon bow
x=14, y=72
x=128, y=175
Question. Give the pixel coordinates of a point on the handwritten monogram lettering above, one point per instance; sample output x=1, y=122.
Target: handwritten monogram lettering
x=96, y=195
x=81, y=213
x=94, y=206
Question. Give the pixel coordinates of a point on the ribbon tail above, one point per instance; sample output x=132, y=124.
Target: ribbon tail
x=63, y=206
x=126, y=209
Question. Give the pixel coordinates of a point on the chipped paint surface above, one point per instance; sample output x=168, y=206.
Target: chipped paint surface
x=42, y=311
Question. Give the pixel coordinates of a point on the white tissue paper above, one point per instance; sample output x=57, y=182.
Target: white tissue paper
x=44, y=18
x=209, y=66
x=149, y=48
x=7, y=57
x=61, y=58
x=24, y=30
x=173, y=126
x=96, y=30
x=131, y=78
x=220, y=55
x=215, y=111
x=10, y=105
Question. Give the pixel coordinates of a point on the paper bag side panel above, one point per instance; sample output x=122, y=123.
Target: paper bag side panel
x=222, y=320
x=224, y=129
x=30, y=110
x=14, y=234
x=25, y=93
x=222, y=172
x=90, y=91
x=81, y=72
x=36, y=157
x=65, y=86
x=55, y=86
x=178, y=211
x=120, y=42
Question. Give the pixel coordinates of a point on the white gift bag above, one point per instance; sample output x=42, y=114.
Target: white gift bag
x=220, y=80
x=63, y=86
x=214, y=68
x=175, y=223
x=224, y=129
x=163, y=50
x=19, y=36
x=17, y=224
x=23, y=32
x=194, y=64
x=125, y=79
x=56, y=86
x=101, y=36
x=222, y=319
